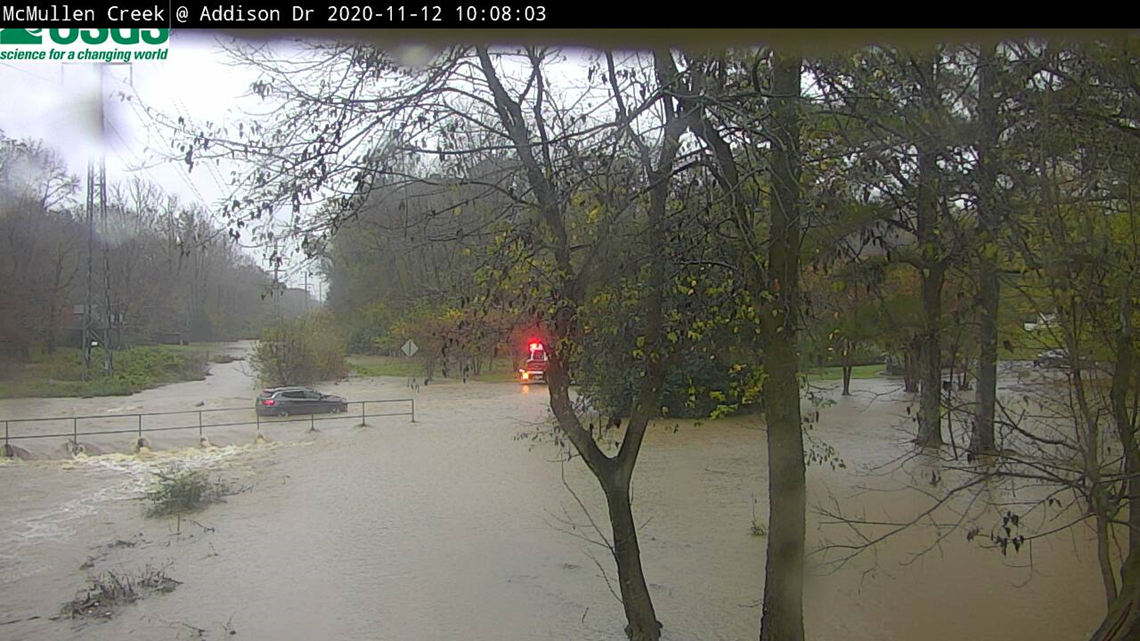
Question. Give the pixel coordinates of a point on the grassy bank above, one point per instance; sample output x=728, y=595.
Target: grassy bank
x=368, y=365
x=836, y=373
x=136, y=369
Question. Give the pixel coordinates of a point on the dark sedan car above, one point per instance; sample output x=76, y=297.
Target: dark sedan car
x=283, y=401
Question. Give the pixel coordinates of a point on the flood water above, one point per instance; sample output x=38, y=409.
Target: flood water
x=454, y=527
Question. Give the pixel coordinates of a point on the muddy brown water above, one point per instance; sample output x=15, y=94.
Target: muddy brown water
x=454, y=527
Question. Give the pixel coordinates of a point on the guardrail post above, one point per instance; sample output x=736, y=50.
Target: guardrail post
x=413, y=410
x=362, y=414
x=258, y=417
x=312, y=422
x=75, y=430
x=140, y=427
x=5, y=436
x=199, y=423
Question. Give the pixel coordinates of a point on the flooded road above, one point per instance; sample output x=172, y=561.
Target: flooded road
x=454, y=527
x=222, y=404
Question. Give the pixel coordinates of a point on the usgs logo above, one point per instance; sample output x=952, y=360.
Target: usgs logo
x=64, y=37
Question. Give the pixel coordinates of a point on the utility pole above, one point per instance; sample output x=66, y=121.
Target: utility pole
x=306, y=292
x=277, y=289
x=88, y=321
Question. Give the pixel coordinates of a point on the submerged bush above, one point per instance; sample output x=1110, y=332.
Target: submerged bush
x=182, y=491
x=109, y=590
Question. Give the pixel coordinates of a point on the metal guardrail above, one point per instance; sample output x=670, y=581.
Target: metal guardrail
x=201, y=426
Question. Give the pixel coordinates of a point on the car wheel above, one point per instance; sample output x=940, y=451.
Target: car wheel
x=282, y=413
x=335, y=409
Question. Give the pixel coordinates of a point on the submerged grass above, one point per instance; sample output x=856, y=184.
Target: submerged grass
x=836, y=373
x=385, y=366
x=369, y=365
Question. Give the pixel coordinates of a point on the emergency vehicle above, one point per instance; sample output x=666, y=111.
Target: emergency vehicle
x=534, y=370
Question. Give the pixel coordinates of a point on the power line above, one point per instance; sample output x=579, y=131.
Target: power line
x=28, y=73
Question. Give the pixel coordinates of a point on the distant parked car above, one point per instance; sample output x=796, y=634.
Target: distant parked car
x=1051, y=358
x=283, y=401
x=1058, y=358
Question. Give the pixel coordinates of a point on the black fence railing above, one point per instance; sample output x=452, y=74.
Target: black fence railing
x=140, y=427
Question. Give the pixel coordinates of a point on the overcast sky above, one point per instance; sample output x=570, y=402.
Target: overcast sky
x=58, y=104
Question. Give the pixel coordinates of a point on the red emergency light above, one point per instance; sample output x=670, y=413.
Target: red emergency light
x=535, y=346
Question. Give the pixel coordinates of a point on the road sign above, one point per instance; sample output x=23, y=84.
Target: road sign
x=410, y=348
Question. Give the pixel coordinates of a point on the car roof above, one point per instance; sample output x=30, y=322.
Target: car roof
x=293, y=388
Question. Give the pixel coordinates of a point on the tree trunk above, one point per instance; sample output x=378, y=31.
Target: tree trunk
x=1122, y=382
x=1097, y=492
x=639, y=612
x=930, y=264
x=774, y=291
x=782, y=618
x=1103, y=550
x=1123, y=618
x=983, y=436
x=847, y=368
x=989, y=221
x=613, y=473
x=930, y=362
x=930, y=281
x=1123, y=419
x=1122, y=622
x=910, y=370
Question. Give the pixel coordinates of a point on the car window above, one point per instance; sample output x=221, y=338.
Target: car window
x=313, y=395
x=293, y=394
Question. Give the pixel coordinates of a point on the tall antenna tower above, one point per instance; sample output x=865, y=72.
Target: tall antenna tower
x=97, y=200
x=108, y=311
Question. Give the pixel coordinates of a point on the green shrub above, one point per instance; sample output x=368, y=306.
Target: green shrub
x=706, y=384
x=717, y=372
x=301, y=352
x=366, y=328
